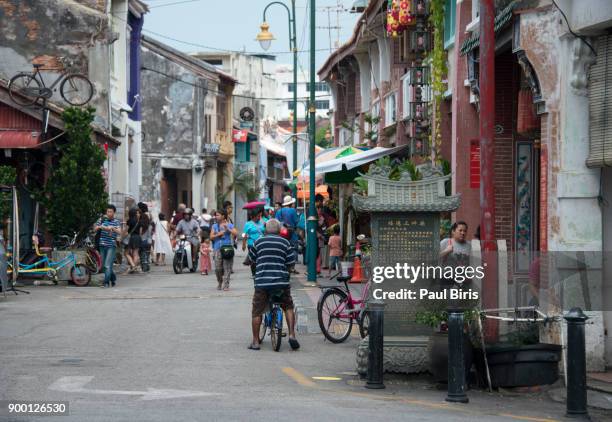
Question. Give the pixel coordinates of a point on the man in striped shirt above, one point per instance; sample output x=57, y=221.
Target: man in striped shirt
x=109, y=228
x=272, y=254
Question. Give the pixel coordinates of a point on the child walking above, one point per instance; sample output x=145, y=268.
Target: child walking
x=205, y=264
x=335, y=250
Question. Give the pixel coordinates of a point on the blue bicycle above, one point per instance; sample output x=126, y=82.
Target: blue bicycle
x=272, y=320
x=79, y=273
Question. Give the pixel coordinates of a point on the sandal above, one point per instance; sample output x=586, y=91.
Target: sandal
x=294, y=344
x=253, y=347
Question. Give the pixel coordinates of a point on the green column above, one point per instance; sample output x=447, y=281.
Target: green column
x=312, y=212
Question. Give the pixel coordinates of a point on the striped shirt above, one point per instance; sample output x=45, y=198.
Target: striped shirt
x=108, y=238
x=272, y=254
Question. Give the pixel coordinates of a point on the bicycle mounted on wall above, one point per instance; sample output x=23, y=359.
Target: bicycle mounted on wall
x=26, y=88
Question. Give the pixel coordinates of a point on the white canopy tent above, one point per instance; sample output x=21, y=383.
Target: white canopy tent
x=352, y=161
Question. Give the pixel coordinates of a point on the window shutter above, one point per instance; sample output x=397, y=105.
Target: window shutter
x=600, y=105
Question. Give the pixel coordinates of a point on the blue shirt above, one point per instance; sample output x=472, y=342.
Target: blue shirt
x=271, y=255
x=108, y=238
x=222, y=241
x=302, y=221
x=254, y=230
x=288, y=216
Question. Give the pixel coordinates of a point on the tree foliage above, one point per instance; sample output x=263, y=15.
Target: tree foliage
x=244, y=184
x=8, y=174
x=75, y=194
x=320, y=137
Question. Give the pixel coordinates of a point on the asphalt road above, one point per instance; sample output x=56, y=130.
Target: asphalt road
x=161, y=347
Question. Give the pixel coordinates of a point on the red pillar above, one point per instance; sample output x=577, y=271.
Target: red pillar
x=487, y=131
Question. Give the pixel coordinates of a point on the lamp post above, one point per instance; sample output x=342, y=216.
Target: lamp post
x=265, y=39
x=311, y=236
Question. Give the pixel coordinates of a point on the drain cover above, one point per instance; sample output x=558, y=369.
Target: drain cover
x=71, y=361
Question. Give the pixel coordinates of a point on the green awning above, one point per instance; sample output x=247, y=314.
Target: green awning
x=339, y=177
x=501, y=20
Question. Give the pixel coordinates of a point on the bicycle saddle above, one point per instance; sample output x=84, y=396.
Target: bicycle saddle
x=343, y=278
x=37, y=65
x=276, y=295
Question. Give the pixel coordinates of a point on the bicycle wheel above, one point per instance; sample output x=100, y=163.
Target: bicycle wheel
x=76, y=89
x=93, y=261
x=263, y=328
x=364, y=324
x=177, y=263
x=97, y=256
x=80, y=275
x=276, y=329
x=24, y=89
x=336, y=329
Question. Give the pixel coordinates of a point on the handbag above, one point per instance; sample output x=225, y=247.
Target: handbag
x=126, y=240
x=227, y=251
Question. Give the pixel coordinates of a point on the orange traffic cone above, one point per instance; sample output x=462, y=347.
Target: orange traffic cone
x=357, y=271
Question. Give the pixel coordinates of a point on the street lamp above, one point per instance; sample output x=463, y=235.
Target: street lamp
x=265, y=39
x=311, y=236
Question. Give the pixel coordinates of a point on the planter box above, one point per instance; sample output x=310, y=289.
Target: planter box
x=523, y=366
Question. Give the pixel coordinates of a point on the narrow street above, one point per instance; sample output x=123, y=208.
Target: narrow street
x=162, y=347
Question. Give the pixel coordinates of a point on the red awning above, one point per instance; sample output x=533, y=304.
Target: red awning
x=19, y=139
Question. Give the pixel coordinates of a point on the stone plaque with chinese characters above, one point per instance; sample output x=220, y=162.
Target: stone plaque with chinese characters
x=404, y=238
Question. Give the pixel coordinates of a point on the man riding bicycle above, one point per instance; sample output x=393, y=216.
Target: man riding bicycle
x=191, y=229
x=272, y=256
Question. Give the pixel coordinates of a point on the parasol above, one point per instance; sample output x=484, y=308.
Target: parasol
x=254, y=204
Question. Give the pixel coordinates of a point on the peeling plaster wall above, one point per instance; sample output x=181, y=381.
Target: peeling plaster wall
x=173, y=122
x=77, y=30
x=561, y=63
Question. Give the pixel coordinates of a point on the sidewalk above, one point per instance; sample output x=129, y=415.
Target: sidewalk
x=403, y=387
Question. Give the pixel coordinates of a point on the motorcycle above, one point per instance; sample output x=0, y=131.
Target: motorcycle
x=182, y=256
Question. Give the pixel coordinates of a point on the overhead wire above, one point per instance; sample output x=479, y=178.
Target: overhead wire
x=215, y=90
x=208, y=47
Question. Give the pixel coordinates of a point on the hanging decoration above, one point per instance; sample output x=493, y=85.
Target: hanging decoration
x=399, y=17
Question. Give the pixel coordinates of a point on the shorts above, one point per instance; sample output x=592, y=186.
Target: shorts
x=334, y=262
x=260, y=300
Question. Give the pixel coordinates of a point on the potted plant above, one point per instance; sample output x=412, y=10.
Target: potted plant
x=437, y=346
x=519, y=359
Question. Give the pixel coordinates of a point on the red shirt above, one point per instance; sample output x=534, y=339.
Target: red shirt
x=177, y=217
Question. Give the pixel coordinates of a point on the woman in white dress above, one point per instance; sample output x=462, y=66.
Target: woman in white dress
x=162, y=244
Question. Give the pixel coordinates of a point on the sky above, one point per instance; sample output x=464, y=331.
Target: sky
x=193, y=25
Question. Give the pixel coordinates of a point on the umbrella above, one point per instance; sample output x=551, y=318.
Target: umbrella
x=330, y=154
x=305, y=193
x=254, y=204
x=352, y=161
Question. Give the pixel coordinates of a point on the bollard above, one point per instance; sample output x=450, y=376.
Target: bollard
x=375, y=346
x=576, y=364
x=456, y=364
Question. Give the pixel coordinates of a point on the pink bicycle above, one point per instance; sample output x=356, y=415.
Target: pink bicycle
x=337, y=309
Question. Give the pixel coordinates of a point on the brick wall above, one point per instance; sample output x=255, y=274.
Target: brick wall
x=350, y=96
x=505, y=93
x=357, y=94
x=544, y=185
